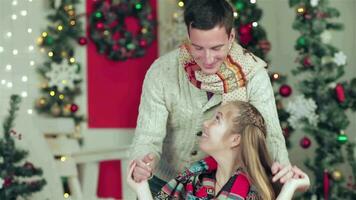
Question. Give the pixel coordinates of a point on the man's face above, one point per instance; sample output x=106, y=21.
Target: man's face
x=209, y=48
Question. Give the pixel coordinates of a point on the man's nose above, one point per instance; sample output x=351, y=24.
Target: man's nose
x=208, y=57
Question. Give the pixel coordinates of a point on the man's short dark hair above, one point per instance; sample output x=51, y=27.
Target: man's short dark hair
x=206, y=14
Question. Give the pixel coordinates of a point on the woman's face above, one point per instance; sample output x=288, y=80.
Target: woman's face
x=216, y=131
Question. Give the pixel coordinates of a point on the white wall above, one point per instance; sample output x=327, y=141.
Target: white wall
x=29, y=14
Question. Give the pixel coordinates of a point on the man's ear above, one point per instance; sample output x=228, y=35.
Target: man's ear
x=235, y=140
x=232, y=35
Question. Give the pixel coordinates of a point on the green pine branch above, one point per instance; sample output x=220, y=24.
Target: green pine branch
x=11, y=170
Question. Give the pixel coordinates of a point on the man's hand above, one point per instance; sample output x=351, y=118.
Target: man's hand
x=281, y=172
x=144, y=167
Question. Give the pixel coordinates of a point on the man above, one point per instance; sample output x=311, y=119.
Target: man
x=183, y=88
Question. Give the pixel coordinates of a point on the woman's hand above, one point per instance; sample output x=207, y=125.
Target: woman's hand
x=136, y=186
x=299, y=182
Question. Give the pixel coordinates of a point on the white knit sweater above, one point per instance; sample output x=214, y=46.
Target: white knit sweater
x=172, y=112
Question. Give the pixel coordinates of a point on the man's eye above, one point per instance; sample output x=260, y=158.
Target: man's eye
x=217, y=49
x=198, y=48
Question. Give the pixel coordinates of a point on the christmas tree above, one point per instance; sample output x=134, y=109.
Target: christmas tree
x=320, y=111
x=252, y=36
x=60, y=72
x=18, y=178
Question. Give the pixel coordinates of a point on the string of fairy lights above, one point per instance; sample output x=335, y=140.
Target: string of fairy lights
x=16, y=49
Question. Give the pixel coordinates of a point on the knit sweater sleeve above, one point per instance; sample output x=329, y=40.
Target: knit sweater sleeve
x=261, y=95
x=152, y=119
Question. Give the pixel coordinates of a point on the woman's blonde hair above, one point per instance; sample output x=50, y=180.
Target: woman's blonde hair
x=249, y=123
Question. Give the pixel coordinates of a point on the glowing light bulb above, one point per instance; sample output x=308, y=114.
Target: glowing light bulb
x=23, y=12
x=24, y=79
x=63, y=158
x=300, y=10
x=235, y=14
x=9, y=84
x=60, y=27
x=181, y=4
x=8, y=67
x=72, y=60
x=24, y=94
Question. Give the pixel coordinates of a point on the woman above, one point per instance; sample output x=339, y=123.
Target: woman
x=238, y=166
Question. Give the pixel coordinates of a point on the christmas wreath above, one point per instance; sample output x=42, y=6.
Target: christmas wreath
x=108, y=28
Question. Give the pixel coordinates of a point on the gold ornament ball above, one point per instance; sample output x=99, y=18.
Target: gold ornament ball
x=71, y=13
x=337, y=175
x=66, y=110
x=44, y=85
x=106, y=33
x=56, y=110
x=144, y=30
x=72, y=22
x=40, y=103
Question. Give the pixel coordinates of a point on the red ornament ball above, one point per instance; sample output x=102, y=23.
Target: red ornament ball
x=307, y=62
x=100, y=26
x=285, y=90
x=115, y=47
x=305, y=142
x=74, y=108
x=340, y=93
x=82, y=41
x=246, y=29
x=143, y=43
x=7, y=182
x=150, y=17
